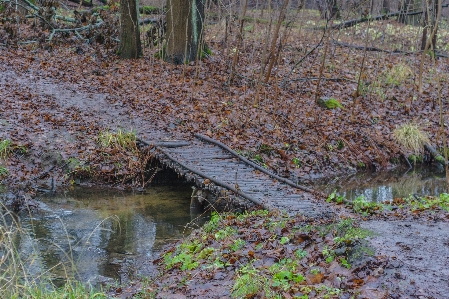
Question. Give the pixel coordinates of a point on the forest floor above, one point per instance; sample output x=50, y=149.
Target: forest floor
x=57, y=100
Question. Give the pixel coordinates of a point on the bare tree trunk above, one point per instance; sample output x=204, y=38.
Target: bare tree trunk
x=385, y=6
x=271, y=56
x=185, y=19
x=130, y=45
x=239, y=42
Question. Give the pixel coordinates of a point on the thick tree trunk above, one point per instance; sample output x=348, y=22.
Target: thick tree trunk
x=130, y=46
x=184, y=38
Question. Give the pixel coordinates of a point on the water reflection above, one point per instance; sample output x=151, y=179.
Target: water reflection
x=94, y=234
x=387, y=185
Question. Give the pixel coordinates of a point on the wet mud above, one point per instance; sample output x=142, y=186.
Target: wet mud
x=418, y=254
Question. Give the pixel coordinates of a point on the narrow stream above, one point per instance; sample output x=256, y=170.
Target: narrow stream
x=382, y=186
x=104, y=235
x=109, y=235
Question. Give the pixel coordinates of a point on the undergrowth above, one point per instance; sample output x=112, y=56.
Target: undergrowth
x=300, y=255
x=412, y=137
x=412, y=203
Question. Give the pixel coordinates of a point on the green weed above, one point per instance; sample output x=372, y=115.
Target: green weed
x=5, y=148
x=398, y=74
x=296, y=162
x=237, y=244
x=249, y=282
x=3, y=171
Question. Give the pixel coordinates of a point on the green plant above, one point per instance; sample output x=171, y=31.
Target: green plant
x=328, y=254
x=411, y=136
x=296, y=162
x=248, y=283
x=398, y=74
x=121, y=139
x=345, y=263
x=223, y=233
x=149, y=10
x=299, y=253
x=335, y=198
x=3, y=171
x=213, y=222
x=237, y=244
x=284, y=240
x=284, y=272
x=5, y=148
x=315, y=271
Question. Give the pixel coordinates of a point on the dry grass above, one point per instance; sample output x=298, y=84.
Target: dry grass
x=411, y=136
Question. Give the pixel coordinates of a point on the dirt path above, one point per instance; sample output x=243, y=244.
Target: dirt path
x=419, y=257
x=61, y=118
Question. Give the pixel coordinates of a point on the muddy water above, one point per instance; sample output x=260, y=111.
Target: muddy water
x=384, y=186
x=107, y=234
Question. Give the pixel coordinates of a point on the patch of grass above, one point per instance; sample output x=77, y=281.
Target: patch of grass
x=122, y=139
x=398, y=74
x=259, y=231
x=5, y=148
x=3, y=172
x=428, y=202
x=412, y=137
x=249, y=282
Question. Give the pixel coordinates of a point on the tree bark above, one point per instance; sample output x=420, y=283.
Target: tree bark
x=185, y=20
x=130, y=45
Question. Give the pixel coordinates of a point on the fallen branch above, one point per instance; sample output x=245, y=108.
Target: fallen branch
x=152, y=21
x=437, y=156
x=75, y=30
x=354, y=22
x=83, y=2
x=374, y=49
x=328, y=79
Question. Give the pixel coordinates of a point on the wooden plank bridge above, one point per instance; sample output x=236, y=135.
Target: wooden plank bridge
x=225, y=179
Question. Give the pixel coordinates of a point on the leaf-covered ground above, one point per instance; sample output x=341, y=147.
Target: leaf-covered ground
x=286, y=131
x=58, y=99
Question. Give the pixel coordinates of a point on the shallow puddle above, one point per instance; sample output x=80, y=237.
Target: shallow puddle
x=382, y=186
x=107, y=234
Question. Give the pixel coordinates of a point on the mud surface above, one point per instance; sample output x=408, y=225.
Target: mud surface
x=418, y=257
x=66, y=99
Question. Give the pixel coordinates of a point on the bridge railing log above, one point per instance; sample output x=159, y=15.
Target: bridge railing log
x=258, y=167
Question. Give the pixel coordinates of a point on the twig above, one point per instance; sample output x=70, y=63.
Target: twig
x=328, y=79
x=284, y=82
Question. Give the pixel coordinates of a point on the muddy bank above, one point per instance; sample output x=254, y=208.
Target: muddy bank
x=418, y=252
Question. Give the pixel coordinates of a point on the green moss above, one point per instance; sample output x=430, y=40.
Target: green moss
x=415, y=158
x=150, y=10
x=330, y=103
x=206, y=52
x=2, y=8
